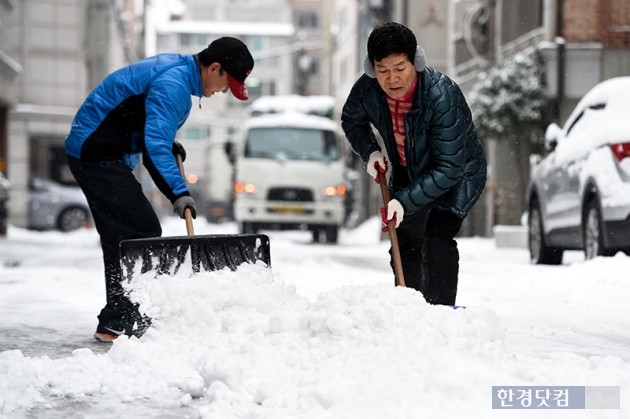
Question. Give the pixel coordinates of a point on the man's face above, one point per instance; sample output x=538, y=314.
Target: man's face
x=215, y=80
x=395, y=74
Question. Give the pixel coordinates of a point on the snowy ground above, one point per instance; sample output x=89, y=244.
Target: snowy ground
x=325, y=336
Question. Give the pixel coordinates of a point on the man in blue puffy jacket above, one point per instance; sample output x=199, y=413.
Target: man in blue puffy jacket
x=134, y=113
x=438, y=168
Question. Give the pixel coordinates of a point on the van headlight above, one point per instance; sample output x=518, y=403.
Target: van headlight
x=332, y=191
x=242, y=187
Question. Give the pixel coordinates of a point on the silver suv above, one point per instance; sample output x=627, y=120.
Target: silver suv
x=53, y=206
x=579, y=194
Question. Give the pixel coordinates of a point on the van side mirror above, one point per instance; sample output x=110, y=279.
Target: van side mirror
x=228, y=147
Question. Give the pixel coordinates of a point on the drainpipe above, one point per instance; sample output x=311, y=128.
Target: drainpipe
x=405, y=13
x=561, y=64
x=97, y=41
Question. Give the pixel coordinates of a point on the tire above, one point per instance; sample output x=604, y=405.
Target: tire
x=325, y=234
x=248, y=228
x=593, y=232
x=332, y=234
x=71, y=219
x=539, y=252
x=316, y=234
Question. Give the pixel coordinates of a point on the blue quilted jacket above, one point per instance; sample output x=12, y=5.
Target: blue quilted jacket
x=445, y=160
x=136, y=111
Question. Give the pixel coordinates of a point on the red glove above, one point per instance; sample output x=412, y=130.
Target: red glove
x=394, y=211
x=376, y=164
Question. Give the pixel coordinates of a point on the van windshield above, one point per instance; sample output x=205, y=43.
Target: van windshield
x=287, y=143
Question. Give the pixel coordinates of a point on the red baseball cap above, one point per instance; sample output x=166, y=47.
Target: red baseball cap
x=235, y=60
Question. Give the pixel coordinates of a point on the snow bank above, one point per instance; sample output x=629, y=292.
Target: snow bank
x=245, y=345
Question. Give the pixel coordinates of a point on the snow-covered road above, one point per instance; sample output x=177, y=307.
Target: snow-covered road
x=325, y=336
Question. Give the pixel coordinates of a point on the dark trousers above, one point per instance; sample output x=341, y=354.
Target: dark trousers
x=429, y=254
x=121, y=211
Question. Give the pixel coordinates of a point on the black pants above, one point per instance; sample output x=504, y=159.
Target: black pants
x=121, y=211
x=429, y=254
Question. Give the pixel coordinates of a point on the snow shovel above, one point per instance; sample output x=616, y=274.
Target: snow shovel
x=167, y=255
x=393, y=238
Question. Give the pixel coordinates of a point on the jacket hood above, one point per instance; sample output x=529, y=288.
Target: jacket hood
x=419, y=62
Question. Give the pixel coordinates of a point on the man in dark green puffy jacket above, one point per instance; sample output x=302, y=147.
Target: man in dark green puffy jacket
x=438, y=168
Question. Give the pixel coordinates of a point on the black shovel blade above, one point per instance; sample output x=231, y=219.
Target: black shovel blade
x=167, y=255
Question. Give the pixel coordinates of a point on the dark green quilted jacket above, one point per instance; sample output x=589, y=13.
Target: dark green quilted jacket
x=445, y=160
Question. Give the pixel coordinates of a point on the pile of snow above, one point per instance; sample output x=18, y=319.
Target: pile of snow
x=242, y=342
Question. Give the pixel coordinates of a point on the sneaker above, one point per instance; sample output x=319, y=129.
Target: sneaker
x=105, y=337
x=107, y=334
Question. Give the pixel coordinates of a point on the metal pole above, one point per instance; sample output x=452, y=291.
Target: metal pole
x=560, y=42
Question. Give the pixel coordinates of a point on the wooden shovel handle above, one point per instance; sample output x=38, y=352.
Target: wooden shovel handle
x=187, y=212
x=190, y=230
x=393, y=238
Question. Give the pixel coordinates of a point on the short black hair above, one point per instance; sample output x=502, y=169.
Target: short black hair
x=391, y=38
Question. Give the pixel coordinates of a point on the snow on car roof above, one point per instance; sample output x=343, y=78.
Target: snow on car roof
x=599, y=119
x=292, y=119
x=320, y=104
x=614, y=92
x=607, y=90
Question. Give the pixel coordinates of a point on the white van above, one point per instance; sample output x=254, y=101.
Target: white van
x=290, y=175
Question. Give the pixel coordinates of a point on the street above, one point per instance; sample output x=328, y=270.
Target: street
x=298, y=344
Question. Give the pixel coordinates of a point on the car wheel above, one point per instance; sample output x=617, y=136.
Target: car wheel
x=249, y=228
x=316, y=234
x=72, y=219
x=593, y=233
x=539, y=252
x=332, y=234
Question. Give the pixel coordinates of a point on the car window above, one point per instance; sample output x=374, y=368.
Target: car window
x=37, y=185
x=595, y=107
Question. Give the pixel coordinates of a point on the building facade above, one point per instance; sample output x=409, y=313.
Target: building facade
x=10, y=70
x=581, y=43
x=57, y=50
x=44, y=37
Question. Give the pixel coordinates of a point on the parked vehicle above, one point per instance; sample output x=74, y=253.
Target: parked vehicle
x=53, y=206
x=290, y=175
x=579, y=194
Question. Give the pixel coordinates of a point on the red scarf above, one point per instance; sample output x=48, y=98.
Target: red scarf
x=398, y=109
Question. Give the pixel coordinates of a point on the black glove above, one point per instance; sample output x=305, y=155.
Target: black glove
x=183, y=202
x=178, y=149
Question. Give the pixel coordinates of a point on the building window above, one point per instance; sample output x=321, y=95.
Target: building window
x=202, y=41
x=520, y=17
x=307, y=19
x=185, y=39
x=194, y=132
x=166, y=42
